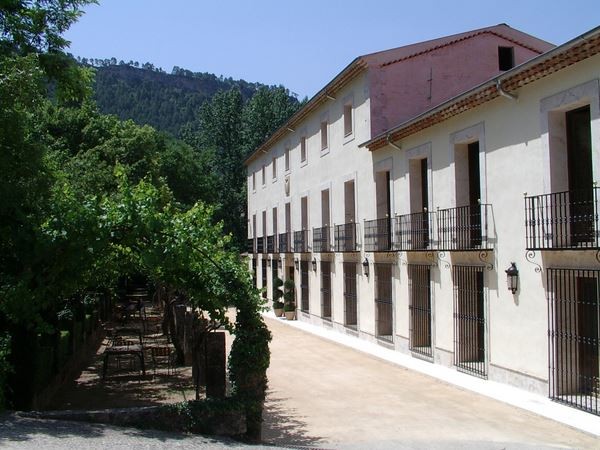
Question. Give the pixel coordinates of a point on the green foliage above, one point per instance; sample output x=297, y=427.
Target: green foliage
x=88, y=199
x=230, y=129
x=277, y=293
x=289, y=295
x=5, y=367
x=150, y=96
x=36, y=26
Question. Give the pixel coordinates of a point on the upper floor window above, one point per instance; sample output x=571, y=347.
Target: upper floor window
x=348, y=119
x=324, y=135
x=274, y=168
x=264, y=176
x=506, y=58
x=287, y=159
x=303, y=149
x=253, y=181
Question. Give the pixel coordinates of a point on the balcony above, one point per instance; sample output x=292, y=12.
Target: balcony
x=413, y=231
x=260, y=245
x=272, y=244
x=345, y=237
x=301, y=241
x=284, y=243
x=321, y=241
x=378, y=235
x=250, y=245
x=562, y=220
x=464, y=228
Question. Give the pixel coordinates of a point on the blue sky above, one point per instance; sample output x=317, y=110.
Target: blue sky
x=301, y=44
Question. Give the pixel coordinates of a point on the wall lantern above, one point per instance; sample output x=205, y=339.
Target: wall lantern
x=314, y=264
x=365, y=265
x=297, y=264
x=512, y=277
x=279, y=264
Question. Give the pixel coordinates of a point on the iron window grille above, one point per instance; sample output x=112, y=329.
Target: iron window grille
x=250, y=246
x=464, y=227
x=413, y=231
x=301, y=241
x=384, y=308
x=345, y=237
x=304, y=294
x=573, y=341
x=378, y=235
x=321, y=242
x=420, y=325
x=271, y=241
x=350, y=296
x=469, y=320
x=326, y=290
x=264, y=278
x=562, y=220
x=260, y=245
x=284, y=243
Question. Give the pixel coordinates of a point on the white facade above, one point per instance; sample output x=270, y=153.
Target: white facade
x=501, y=152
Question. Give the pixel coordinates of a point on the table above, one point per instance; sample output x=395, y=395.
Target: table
x=136, y=350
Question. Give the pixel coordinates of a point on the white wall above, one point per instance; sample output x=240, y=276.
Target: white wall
x=514, y=159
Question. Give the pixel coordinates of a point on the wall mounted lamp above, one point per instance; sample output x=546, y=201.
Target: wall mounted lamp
x=365, y=265
x=297, y=264
x=314, y=264
x=512, y=277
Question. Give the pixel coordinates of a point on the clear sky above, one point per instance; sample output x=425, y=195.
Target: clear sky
x=301, y=44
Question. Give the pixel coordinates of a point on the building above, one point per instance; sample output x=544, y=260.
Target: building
x=439, y=199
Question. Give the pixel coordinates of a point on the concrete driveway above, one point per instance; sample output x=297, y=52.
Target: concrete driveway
x=322, y=394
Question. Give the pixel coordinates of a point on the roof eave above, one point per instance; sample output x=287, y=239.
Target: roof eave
x=341, y=80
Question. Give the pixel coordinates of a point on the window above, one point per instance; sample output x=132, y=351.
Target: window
x=419, y=290
x=253, y=181
x=274, y=168
x=303, y=149
x=384, y=308
x=347, y=119
x=506, y=58
x=350, y=296
x=264, y=176
x=469, y=320
x=287, y=159
x=304, y=295
x=324, y=136
x=574, y=339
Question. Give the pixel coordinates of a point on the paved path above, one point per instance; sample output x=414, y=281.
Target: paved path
x=323, y=394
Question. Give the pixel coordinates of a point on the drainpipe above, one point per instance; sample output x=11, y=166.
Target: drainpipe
x=389, y=141
x=503, y=93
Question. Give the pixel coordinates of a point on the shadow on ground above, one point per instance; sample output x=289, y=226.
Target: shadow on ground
x=15, y=429
x=282, y=426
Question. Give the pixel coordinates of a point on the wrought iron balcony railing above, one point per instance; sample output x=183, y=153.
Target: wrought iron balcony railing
x=321, y=240
x=464, y=228
x=250, y=245
x=562, y=220
x=301, y=241
x=260, y=245
x=284, y=243
x=378, y=235
x=272, y=244
x=345, y=237
x=413, y=231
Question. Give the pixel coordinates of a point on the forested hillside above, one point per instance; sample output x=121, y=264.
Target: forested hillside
x=148, y=95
